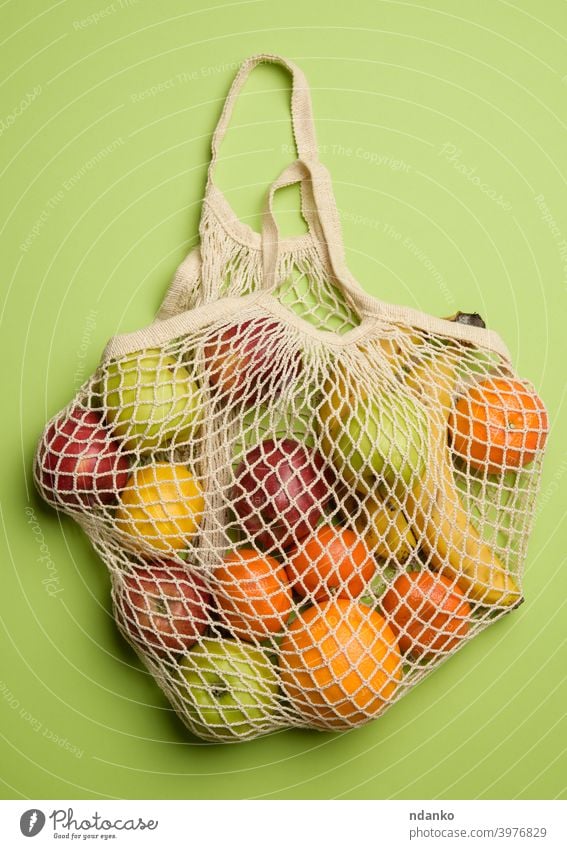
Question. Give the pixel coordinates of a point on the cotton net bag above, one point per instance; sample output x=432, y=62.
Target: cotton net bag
x=306, y=498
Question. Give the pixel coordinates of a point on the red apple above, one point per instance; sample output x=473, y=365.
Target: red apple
x=245, y=361
x=280, y=492
x=78, y=462
x=163, y=606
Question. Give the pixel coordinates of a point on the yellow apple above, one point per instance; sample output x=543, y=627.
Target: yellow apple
x=150, y=400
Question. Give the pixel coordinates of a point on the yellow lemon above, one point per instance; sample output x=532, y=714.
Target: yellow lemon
x=161, y=506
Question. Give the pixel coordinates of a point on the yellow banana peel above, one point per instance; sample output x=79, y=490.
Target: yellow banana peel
x=454, y=546
x=384, y=528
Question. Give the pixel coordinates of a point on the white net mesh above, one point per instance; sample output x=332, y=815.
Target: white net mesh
x=293, y=536
x=306, y=499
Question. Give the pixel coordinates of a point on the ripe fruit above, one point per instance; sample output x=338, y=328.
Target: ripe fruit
x=253, y=595
x=228, y=690
x=161, y=507
x=340, y=664
x=499, y=424
x=384, y=527
x=280, y=492
x=163, y=606
x=151, y=400
x=245, y=361
x=452, y=543
x=430, y=614
x=382, y=438
x=338, y=397
x=78, y=463
x=332, y=561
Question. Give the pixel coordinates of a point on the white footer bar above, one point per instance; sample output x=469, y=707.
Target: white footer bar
x=324, y=824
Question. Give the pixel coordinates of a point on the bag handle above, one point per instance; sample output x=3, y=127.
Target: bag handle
x=215, y=201
x=317, y=187
x=301, y=109
x=317, y=191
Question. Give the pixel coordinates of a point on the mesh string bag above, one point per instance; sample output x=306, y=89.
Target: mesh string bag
x=307, y=498
x=228, y=260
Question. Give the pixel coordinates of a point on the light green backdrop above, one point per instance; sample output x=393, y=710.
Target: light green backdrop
x=107, y=112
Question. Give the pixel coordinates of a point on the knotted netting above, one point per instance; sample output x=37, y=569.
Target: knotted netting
x=307, y=499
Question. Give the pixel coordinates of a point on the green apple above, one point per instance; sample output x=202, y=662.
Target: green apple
x=150, y=400
x=383, y=438
x=229, y=690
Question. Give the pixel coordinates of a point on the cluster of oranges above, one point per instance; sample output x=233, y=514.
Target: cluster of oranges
x=339, y=658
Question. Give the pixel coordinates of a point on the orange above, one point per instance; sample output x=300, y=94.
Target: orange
x=161, y=506
x=499, y=424
x=340, y=664
x=430, y=614
x=332, y=561
x=253, y=595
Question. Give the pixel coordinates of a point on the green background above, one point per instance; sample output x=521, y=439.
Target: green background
x=396, y=87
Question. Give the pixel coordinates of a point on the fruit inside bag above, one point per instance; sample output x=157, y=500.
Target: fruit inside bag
x=300, y=524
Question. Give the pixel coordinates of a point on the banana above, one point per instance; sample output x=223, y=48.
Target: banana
x=433, y=504
x=338, y=399
x=383, y=526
